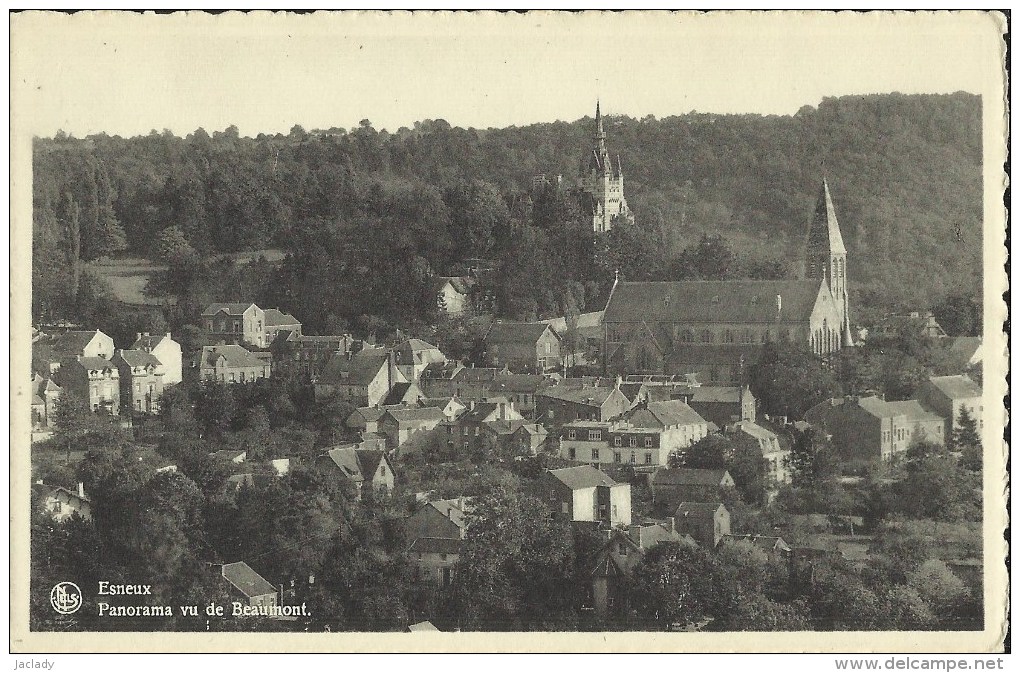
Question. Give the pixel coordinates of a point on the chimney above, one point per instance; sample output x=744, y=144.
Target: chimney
x=81, y=490
x=779, y=303
x=471, y=404
x=619, y=381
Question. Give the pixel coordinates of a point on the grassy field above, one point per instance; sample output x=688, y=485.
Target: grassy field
x=128, y=276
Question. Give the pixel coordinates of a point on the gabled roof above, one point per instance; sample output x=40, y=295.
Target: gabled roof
x=755, y=430
x=824, y=234
x=436, y=545
x=235, y=356
x=227, y=454
x=275, y=316
x=422, y=626
x=723, y=394
x=913, y=410
x=416, y=414
x=686, y=476
x=246, y=580
x=536, y=429
x=453, y=509
x=501, y=427
x=95, y=363
x=766, y=542
x=647, y=535
x=139, y=358
x=582, y=476
x=356, y=464
x=475, y=374
x=585, y=321
x=359, y=370
x=228, y=308
x=413, y=345
x=876, y=407
x=42, y=385
x=665, y=414
x=713, y=301
x=147, y=342
x=956, y=387
x=698, y=509
x=399, y=391
x=441, y=370
x=516, y=332
x=595, y=397
x=73, y=341
x=462, y=284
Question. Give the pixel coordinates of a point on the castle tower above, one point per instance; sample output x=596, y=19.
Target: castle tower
x=825, y=255
x=601, y=183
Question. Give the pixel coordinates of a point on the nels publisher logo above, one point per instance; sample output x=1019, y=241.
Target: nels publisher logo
x=66, y=598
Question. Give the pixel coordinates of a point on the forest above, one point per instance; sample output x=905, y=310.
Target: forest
x=368, y=218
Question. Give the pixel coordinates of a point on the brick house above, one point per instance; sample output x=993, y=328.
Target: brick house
x=406, y=428
x=307, y=355
x=869, y=428
x=707, y=522
x=364, y=378
x=949, y=395
x=584, y=493
x=141, y=380
x=675, y=485
x=523, y=347
x=229, y=363
x=560, y=404
x=368, y=470
x=166, y=350
x=96, y=380
x=235, y=323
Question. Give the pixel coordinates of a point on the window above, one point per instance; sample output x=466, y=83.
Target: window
x=571, y=434
x=231, y=377
x=648, y=441
x=728, y=336
x=706, y=336
x=595, y=455
x=572, y=452
x=594, y=435
x=633, y=457
x=616, y=457
x=622, y=549
x=633, y=441
x=648, y=457
x=467, y=431
x=617, y=441
x=244, y=376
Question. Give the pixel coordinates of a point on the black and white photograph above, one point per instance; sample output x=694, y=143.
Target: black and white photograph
x=686, y=326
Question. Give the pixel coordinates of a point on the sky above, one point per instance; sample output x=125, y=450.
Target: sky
x=126, y=74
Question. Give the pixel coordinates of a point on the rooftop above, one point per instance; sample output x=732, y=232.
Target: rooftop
x=246, y=580
x=516, y=332
x=582, y=476
x=692, y=476
x=956, y=387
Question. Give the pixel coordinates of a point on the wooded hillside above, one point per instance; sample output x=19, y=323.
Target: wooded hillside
x=369, y=217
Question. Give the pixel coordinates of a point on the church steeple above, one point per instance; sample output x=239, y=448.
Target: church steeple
x=825, y=255
x=601, y=183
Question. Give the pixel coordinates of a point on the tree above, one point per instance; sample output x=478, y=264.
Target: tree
x=515, y=569
x=812, y=459
x=944, y=593
x=708, y=453
x=174, y=248
x=214, y=407
x=965, y=438
x=788, y=381
x=673, y=584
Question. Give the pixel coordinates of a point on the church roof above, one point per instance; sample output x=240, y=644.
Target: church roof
x=713, y=301
x=824, y=231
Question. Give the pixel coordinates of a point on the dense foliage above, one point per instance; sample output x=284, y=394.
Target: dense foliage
x=369, y=217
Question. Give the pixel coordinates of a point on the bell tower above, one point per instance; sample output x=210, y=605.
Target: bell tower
x=825, y=255
x=601, y=182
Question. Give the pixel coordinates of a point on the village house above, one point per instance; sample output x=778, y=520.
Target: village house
x=229, y=363
x=369, y=471
x=59, y=503
x=236, y=456
x=407, y=428
x=45, y=395
x=414, y=355
x=675, y=485
x=586, y=494
x=307, y=355
x=523, y=347
x=521, y=389
x=166, y=350
x=673, y=425
x=436, y=379
x=869, y=428
x=366, y=419
x=47, y=356
x=617, y=559
x=406, y=394
x=707, y=522
x=276, y=322
x=364, y=378
x=580, y=337
x=94, y=379
x=529, y=439
x=437, y=531
x=472, y=432
x=235, y=323
x=451, y=407
x=777, y=459
x=963, y=354
x=453, y=294
x=141, y=380
x=722, y=405
x=949, y=395
x=560, y=404
x=254, y=589
x=917, y=322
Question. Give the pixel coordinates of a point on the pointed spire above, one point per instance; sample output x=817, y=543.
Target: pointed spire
x=824, y=226
x=600, y=132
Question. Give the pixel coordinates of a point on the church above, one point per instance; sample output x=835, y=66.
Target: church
x=717, y=328
x=601, y=183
